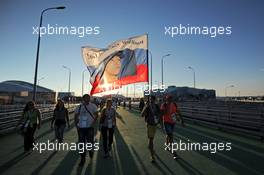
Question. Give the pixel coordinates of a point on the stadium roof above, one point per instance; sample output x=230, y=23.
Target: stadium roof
x=18, y=86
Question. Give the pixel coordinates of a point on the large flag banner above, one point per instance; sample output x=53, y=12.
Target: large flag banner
x=122, y=62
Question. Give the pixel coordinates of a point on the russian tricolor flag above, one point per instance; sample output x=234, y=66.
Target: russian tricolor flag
x=122, y=62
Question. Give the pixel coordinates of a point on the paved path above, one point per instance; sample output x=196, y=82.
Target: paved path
x=130, y=154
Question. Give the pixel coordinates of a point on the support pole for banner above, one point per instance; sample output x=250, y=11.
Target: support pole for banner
x=149, y=82
x=150, y=71
x=134, y=91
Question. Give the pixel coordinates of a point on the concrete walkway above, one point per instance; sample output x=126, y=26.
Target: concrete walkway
x=131, y=156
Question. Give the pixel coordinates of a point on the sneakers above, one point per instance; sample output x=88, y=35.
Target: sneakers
x=152, y=159
x=175, y=156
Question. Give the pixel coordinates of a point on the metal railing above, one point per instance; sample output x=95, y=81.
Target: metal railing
x=10, y=119
x=242, y=118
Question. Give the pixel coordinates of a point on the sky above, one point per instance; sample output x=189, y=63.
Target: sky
x=235, y=59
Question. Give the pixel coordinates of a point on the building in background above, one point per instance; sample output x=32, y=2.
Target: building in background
x=20, y=92
x=68, y=97
x=186, y=93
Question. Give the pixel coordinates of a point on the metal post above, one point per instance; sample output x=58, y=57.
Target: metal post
x=69, y=85
x=83, y=80
x=162, y=67
x=38, y=46
x=193, y=76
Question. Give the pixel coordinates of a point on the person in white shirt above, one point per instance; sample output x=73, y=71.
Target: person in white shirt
x=85, y=118
x=108, y=123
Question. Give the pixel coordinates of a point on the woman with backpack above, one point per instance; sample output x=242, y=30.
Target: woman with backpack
x=108, y=123
x=60, y=116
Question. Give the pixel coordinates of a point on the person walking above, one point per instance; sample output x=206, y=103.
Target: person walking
x=60, y=116
x=151, y=113
x=108, y=124
x=86, y=115
x=141, y=104
x=170, y=113
x=130, y=104
x=31, y=118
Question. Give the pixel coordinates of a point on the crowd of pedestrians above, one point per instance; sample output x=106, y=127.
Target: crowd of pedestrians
x=88, y=113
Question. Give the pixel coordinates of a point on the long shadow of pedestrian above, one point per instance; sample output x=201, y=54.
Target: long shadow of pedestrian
x=139, y=160
x=43, y=134
x=121, y=162
x=164, y=164
x=37, y=170
x=121, y=119
x=233, y=160
x=67, y=164
x=188, y=167
x=13, y=161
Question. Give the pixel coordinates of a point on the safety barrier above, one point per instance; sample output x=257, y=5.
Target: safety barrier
x=242, y=118
x=9, y=120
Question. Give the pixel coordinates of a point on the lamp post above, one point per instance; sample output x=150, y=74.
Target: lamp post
x=38, y=45
x=193, y=75
x=230, y=86
x=69, y=86
x=162, y=67
x=83, y=79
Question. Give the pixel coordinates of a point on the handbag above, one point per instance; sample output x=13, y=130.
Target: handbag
x=174, y=117
x=25, y=125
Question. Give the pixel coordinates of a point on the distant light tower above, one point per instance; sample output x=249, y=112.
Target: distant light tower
x=162, y=61
x=69, y=86
x=83, y=79
x=230, y=86
x=193, y=75
x=42, y=78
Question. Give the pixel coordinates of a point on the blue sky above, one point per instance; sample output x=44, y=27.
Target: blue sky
x=236, y=59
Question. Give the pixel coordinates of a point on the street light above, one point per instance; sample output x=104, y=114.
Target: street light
x=162, y=67
x=69, y=87
x=193, y=75
x=83, y=79
x=230, y=86
x=37, y=56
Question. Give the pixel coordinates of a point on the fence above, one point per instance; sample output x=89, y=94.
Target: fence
x=9, y=119
x=241, y=120
x=241, y=117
